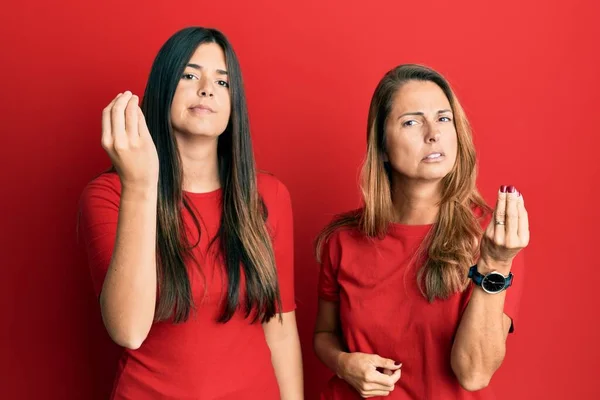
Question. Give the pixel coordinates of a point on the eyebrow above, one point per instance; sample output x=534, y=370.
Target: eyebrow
x=199, y=67
x=422, y=113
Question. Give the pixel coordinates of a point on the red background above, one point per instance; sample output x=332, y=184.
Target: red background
x=527, y=77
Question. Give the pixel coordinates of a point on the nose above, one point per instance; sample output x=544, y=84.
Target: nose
x=433, y=133
x=205, y=88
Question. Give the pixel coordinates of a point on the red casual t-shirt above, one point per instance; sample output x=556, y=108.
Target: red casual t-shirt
x=198, y=359
x=383, y=312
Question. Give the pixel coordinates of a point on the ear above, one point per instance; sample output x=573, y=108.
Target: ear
x=385, y=158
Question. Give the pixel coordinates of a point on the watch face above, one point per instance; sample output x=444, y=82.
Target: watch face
x=493, y=282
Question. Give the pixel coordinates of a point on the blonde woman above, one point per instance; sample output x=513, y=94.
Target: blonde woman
x=419, y=288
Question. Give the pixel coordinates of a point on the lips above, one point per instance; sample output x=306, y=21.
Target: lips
x=202, y=107
x=433, y=156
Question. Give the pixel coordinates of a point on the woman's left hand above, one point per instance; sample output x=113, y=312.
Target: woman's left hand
x=507, y=232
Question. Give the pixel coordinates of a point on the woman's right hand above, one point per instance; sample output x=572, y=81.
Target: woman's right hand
x=360, y=371
x=126, y=139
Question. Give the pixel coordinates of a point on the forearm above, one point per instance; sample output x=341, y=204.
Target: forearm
x=286, y=357
x=329, y=349
x=479, y=346
x=128, y=296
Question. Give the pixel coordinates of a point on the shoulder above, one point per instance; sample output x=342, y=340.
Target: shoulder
x=105, y=186
x=105, y=181
x=271, y=189
x=342, y=230
x=99, y=204
x=276, y=199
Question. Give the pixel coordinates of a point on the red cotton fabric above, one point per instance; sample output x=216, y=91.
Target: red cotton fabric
x=383, y=312
x=198, y=359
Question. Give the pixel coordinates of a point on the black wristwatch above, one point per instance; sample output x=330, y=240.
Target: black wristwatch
x=492, y=283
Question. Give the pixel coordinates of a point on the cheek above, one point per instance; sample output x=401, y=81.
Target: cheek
x=225, y=110
x=451, y=146
x=453, y=138
x=403, y=155
x=178, y=104
x=401, y=149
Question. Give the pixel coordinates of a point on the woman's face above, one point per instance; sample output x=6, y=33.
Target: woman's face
x=421, y=140
x=201, y=104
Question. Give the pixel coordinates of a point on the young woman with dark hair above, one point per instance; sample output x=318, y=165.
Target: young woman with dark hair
x=190, y=249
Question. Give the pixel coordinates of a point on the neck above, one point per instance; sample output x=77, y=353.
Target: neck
x=199, y=162
x=416, y=202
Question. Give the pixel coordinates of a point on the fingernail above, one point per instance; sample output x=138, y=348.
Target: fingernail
x=399, y=364
x=511, y=189
x=503, y=189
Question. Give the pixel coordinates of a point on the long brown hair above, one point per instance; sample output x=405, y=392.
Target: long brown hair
x=244, y=240
x=451, y=246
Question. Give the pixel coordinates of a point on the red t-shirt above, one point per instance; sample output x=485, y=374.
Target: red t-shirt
x=198, y=359
x=382, y=311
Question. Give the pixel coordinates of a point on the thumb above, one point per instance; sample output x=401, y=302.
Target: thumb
x=386, y=363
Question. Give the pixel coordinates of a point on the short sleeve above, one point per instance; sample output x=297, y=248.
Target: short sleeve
x=283, y=244
x=97, y=225
x=328, y=286
x=515, y=291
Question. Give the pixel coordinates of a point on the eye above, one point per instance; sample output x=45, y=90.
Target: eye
x=411, y=122
x=445, y=119
x=223, y=83
x=188, y=76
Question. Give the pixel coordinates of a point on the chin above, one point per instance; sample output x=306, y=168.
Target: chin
x=434, y=175
x=433, y=178
x=206, y=132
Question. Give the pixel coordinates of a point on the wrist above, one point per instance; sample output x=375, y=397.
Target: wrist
x=340, y=363
x=139, y=192
x=484, y=267
x=491, y=280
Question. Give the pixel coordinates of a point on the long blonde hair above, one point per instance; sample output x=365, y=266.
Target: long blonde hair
x=452, y=245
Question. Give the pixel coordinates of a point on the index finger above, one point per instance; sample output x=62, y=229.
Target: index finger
x=131, y=117
x=106, y=124
x=523, y=221
x=512, y=216
x=117, y=117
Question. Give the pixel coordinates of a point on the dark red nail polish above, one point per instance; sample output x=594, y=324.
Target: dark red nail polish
x=503, y=189
x=511, y=189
